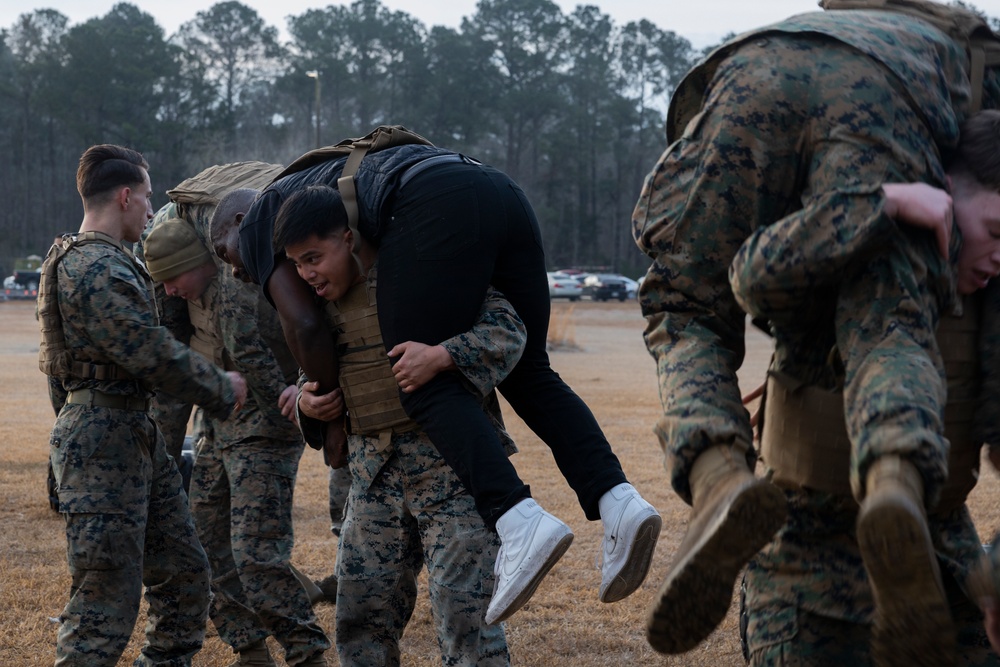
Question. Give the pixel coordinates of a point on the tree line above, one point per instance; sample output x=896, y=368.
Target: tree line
x=570, y=105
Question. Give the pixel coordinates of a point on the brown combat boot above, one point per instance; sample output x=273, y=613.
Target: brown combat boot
x=734, y=514
x=255, y=655
x=912, y=622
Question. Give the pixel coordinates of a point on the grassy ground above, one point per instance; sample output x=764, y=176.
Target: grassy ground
x=564, y=624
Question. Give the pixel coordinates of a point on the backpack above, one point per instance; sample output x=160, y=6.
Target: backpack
x=382, y=137
x=962, y=25
x=209, y=186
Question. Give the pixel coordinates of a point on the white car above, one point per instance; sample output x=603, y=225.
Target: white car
x=564, y=286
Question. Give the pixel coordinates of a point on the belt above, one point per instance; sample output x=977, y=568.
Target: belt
x=427, y=163
x=99, y=399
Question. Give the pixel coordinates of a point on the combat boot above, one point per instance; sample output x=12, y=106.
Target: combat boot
x=733, y=515
x=912, y=621
x=255, y=655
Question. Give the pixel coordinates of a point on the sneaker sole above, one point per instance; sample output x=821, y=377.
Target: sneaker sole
x=558, y=549
x=638, y=561
x=696, y=595
x=913, y=624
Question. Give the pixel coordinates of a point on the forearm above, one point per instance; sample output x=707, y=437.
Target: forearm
x=487, y=353
x=780, y=266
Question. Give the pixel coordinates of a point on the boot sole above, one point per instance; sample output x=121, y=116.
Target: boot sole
x=637, y=563
x=913, y=625
x=522, y=598
x=698, y=590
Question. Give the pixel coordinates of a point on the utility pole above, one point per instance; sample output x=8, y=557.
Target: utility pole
x=314, y=74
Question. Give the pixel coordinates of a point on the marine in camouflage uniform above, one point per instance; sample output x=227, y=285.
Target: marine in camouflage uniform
x=407, y=508
x=127, y=519
x=800, y=122
x=245, y=468
x=807, y=593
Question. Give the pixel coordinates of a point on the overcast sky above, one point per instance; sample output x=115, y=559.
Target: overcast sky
x=702, y=22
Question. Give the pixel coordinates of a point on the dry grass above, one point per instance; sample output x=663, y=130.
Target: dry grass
x=564, y=625
x=562, y=330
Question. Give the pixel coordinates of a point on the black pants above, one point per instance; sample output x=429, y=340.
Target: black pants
x=453, y=230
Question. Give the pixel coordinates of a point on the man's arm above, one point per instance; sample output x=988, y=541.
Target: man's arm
x=484, y=355
x=304, y=324
x=134, y=341
x=780, y=265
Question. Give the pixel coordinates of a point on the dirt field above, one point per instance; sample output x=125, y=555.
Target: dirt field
x=564, y=625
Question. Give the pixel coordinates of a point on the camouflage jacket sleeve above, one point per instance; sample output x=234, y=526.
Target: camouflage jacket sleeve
x=486, y=354
x=239, y=313
x=109, y=316
x=782, y=263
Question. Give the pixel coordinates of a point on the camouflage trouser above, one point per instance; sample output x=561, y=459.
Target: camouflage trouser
x=340, y=486
x=798, y=132
x=415, y=511
x=127, y=525
x=810, y=640
x=241, y=500
x=807, y=599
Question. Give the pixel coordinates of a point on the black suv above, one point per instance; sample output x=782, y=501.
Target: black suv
x=604, y=286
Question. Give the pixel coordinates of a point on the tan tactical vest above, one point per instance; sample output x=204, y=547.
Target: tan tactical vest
x=804, y=438
x=53, y=356
x=370, y=390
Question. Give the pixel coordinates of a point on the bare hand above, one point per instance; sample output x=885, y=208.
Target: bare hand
x=418, y=364
x=239, y=388
x=921, y=205
x=325, y=407
x=335, y=444
x=286, y=403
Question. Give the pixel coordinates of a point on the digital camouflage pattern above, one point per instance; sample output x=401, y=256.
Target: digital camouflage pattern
x=416, y=512
x=811, y=576
x=243, y=481
x=778, y=140
x=407, y=508
x=127, y=521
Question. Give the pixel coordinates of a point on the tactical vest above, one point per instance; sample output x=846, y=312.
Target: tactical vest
x=804, y=437
x=54, y=358
x=205, y=339
x=370, y=390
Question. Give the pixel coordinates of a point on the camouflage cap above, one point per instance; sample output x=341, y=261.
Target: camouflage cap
x=172, y=248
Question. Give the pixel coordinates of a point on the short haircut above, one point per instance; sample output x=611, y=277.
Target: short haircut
x=978, y=152
x=233, y=202
x=107, y=167
x=317, y=210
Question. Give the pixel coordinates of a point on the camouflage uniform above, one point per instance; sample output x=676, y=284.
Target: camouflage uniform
x=779, y=139
x=127, y=520
x=244, y=475
x=407, y=508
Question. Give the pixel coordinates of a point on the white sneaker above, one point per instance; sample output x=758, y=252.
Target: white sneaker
x=531, y=541
x=631, y=527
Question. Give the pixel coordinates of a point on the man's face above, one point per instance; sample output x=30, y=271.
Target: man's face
x=190, y=285
x=977, y=213
x=326, y=263
x=226, y=246
x=139, y=209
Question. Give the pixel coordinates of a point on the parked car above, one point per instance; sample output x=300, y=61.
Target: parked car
x=564, y=286
x=632, y=286
x=604, y=286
